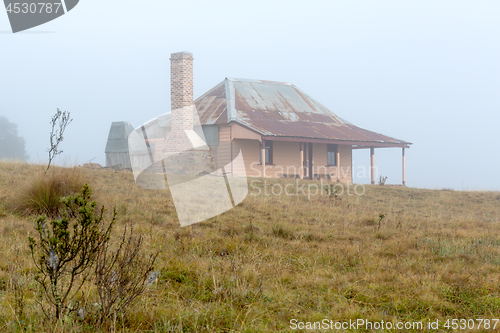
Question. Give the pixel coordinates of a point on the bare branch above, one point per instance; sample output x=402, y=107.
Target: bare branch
x=62, y=119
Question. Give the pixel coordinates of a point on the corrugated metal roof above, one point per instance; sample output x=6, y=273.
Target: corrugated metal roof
x=118, y=137
x=279, y=109
x=212, y=106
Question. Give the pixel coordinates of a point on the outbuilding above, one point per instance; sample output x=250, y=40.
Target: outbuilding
x=117, y=150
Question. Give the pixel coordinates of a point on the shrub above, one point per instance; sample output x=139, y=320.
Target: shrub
x=78, y=248
x=66, y=249
x=122, y=275
x=43, y=193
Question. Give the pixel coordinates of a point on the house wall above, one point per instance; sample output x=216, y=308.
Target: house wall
x=240, y=132
x=286, y=158
x=250, y=152
x=224, y=133
x=223, y=152
x=320, y=160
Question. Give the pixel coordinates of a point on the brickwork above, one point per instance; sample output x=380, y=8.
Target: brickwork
x=181, y=90
x=182, y=106
x=177, y=141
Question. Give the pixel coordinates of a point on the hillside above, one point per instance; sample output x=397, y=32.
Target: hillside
x=436, y=255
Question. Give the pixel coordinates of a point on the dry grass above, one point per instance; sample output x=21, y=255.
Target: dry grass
x=275, y=258
x=41, y=193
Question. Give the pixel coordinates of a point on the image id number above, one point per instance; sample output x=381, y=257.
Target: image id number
x=40, y=7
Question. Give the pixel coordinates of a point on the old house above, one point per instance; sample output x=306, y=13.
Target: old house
x=280, y=130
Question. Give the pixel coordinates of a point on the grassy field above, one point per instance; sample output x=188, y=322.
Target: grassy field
x=272, y=259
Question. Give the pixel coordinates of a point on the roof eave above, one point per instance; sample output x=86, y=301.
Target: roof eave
x=360, y=144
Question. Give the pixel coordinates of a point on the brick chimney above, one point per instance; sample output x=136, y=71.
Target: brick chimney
x=182, y=137
x=181, y=90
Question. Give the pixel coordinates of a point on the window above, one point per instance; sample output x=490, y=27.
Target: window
x=332, y=154
x=269, y=152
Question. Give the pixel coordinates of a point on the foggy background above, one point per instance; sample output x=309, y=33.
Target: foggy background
x=427, y=72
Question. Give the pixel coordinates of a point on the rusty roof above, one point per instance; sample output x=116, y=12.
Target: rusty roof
x=277, y=109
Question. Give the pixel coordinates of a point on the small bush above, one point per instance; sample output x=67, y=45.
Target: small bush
x=43, y=193
x=122, y=275
x=66, y=249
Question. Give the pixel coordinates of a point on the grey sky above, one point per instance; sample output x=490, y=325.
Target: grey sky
x=423, y=71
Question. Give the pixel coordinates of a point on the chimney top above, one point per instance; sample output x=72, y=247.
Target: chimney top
x=181, y=55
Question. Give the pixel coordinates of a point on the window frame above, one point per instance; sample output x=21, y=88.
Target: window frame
x=331, y=148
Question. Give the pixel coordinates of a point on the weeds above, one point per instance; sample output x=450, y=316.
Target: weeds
x=382, y=180
x=331, y=191
x=380, y=218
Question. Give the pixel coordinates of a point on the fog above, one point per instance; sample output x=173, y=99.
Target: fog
x=427, y=72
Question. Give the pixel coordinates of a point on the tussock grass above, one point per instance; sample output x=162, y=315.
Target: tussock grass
x=41, y=193
x=276, y=258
